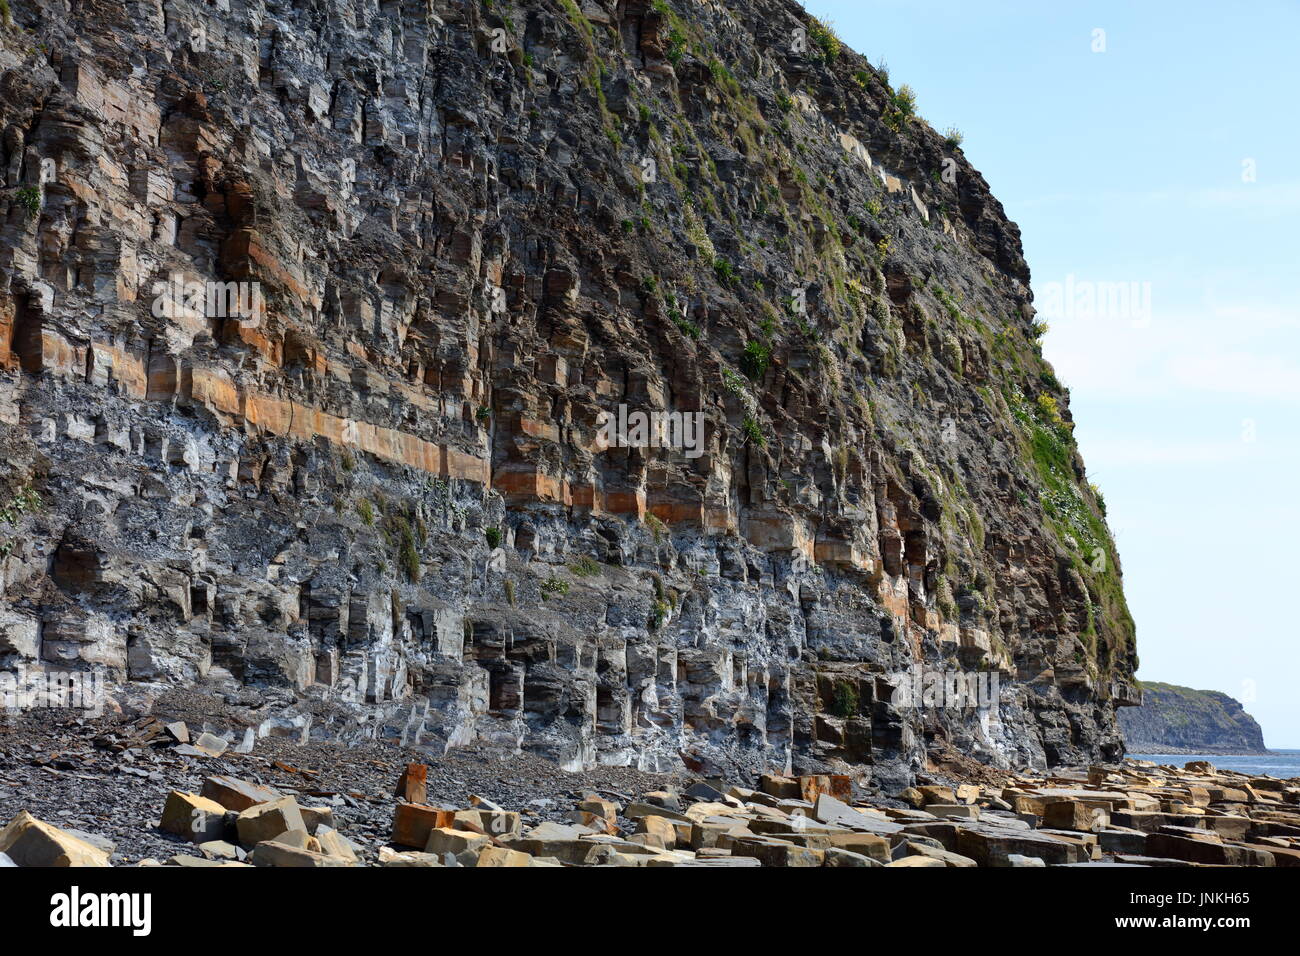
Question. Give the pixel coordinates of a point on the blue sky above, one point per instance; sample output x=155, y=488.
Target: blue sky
x=1135, y=165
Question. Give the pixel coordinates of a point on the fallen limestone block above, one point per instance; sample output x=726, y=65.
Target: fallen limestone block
x=868, y=844
x=992, y=846
x=1282, y=856
x=704, y=792
x=917, y=861
x=834, y=856
x=178, y=731
x=333, y=843
x=566, y=842
x=908, y=816
x=496, y=823
x=220, y=850
x=1073, y=815
x=797, y=825
x=708, y=832
x=276, y=854
x=1086, y=843
x=5, y=861
x=193, y=817
x=660, y=829
x=962, y=810
x=725, y=862
x=1229, y=826
x=317, y=817
x=700, y=811
x=211, y=744
x=299, y=839
x=202, y=861
x=812, y=786
x=1138, y=860
x=499, y=856
x=607, y=809
x=1192, y=833
x=779, y=787
x=611, y=857
x=1203, y=851
x=1228, y=795
x=235, y=794
x=662, y=798
x=635, y=811
x=937, y=794
x=1149, y=821
x=902, y=846
x=915, y=848
x=773, y=852
x=444, y=840
x=594, y=821
x=412, y=785
x=1122, y=840
x=266, y=821
x=28, y=841
x=1015, y=859
x=390, y=857
x=913, y=797
x=827, y=809
x=412, y=823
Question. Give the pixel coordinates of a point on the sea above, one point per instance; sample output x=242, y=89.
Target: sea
x=1275, y=763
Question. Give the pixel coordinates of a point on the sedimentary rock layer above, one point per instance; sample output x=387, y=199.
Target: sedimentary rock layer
x=478, y=229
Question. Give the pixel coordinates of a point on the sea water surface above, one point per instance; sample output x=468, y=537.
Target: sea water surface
x=1275, y=763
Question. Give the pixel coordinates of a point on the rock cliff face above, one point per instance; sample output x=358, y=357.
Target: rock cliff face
x=382, y=505
x=1176, y=719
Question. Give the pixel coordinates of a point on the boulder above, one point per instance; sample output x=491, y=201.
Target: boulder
x=317, y=817
x=501, y=856
x=1073, y=815
x=413, y=822
x=333, y=843
x=276, y=854
x=661, y=830
x=834, y=856
x=412, y=785
x=266, y=821
x=779, y=787
x=443, y=840
x=235, y=794
x=193, y=817
x=28, y=841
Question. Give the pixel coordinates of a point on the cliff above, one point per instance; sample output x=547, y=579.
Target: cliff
x=1176, y=719
x=376, y=497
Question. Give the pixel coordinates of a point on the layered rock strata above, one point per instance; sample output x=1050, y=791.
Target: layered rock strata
x=382, y=498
